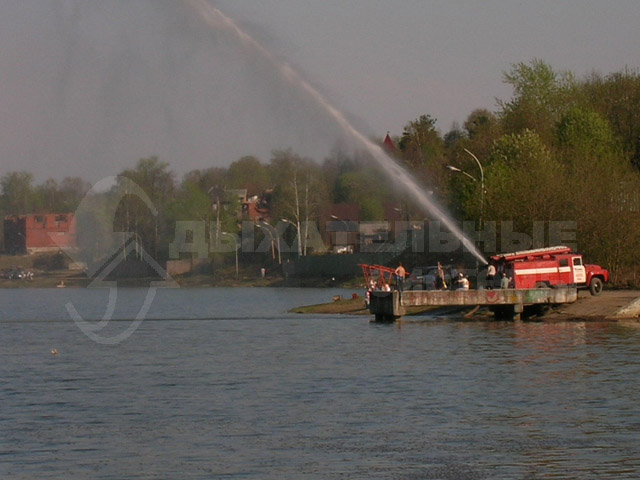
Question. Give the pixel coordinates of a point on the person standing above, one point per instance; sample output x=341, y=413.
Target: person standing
x=463, y=282
x=440, y=279
x=504, y=281
x=400, y=273
x=491, y=273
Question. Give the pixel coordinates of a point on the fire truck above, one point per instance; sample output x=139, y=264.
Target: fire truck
x=549, y=268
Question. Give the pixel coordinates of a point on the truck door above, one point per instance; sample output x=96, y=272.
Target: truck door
x=579, y=272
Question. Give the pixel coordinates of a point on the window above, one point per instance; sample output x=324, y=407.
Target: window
x=564, y=262
x=577, y=261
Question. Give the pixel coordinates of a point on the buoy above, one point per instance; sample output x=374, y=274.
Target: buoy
x=54, y=351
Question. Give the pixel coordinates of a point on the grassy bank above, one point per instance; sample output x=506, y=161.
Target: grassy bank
x=349, y=307
x=342, y=306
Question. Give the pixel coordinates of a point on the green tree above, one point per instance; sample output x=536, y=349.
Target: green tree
x=604, y=186
x=52, y=197
x=540, y=96
x=524, y=182
x=47, y=197
x=18, y=193
x=585, y=139
x=157, y=181
x=617, y=98
x=72, y=191
x=299, y=193
x=364, y=188
x=208, y=179
x=482, y=129
x=422, y=149
x=248, y=172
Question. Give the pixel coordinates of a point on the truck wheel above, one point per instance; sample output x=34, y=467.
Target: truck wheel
x=596, y=286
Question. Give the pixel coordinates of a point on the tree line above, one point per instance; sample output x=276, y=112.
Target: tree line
x=560, y=149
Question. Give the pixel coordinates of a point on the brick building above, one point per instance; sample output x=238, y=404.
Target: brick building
x=35, y=233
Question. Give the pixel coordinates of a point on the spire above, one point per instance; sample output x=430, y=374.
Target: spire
x=388, y=143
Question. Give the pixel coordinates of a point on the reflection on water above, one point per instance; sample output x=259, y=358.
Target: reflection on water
x=242, y=389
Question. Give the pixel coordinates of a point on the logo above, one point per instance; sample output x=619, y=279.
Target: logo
x=101, y=251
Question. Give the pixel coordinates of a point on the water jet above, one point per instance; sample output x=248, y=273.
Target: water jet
x=221, y=23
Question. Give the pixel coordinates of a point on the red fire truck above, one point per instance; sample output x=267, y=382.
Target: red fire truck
x=548, y=268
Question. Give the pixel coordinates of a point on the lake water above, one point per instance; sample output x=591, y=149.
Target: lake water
x=224, y=383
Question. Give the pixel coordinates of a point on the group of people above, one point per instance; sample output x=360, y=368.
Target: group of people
x=491, y=275
x=399, y=275
x=459, y=279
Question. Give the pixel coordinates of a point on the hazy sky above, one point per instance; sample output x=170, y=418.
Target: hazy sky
x=90, y=86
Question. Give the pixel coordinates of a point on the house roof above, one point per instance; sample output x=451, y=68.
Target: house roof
x=388, y=143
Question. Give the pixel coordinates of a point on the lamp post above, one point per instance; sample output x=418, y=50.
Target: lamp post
x=481, y=184
x=235, y=240
x=346, y=225
x=458, y=170
x=297, y=227
x=277, y=240
x=455, y=169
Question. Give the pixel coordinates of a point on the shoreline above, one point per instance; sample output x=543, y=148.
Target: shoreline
x=79, y=280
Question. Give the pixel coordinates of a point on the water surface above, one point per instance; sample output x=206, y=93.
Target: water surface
x=224, y=383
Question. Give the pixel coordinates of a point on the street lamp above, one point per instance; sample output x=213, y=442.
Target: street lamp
x=458, y=170
x=235, y=240
x=297, y=227
x=455, y=169
x=481, y=184
x=277, y=240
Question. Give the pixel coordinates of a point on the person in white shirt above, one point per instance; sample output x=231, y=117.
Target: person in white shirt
x=463, y=282
x=491, y=274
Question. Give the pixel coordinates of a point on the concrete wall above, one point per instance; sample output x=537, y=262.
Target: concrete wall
x=330, y=265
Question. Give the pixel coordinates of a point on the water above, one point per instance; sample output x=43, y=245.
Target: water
x=223, y=383
x=220, y=22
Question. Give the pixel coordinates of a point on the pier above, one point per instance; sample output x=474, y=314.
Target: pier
x=391, y=306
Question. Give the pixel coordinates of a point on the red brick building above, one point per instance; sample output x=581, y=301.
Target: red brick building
x=34, y=233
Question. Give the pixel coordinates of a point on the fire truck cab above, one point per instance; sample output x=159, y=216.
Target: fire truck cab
x=550, y=267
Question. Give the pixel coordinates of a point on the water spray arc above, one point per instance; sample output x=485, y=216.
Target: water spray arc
x=220, y=22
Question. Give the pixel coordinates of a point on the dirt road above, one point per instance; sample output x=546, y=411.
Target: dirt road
x=605, y=306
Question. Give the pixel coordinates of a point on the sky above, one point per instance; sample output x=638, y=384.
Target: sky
x=88, y=87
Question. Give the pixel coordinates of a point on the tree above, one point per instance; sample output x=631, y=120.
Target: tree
x=524, y=182
x=364, y=188
x=617, y=98
x=47, y=197
x=72, y=191
x=540, y=96
x=157, y=181
x=248, y=172
x=299, y=193
x=422, y=150
x=52, y=197
x=605, y=188
x=208, y=178
x=482, y=129
x=585, y=139
x=17, y=193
